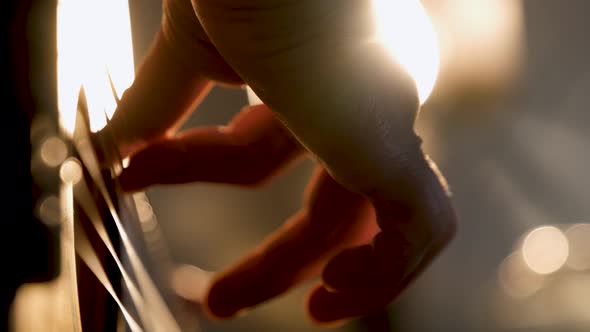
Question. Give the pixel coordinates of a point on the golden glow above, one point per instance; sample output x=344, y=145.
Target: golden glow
x=516, y=279
x=578, y=237
x=481, y=41
x=191, y=282
x=49, y=210
x=53, y=151
x=93, y=39
x=545, y=249
x=71, y=171
x=405, y=28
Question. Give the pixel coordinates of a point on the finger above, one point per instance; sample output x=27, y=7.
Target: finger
x=331, y=219
x=171, y=80
x=161, y=97
x=250, y=150
x=333, y=308
x=359, y=282
x=416, y=223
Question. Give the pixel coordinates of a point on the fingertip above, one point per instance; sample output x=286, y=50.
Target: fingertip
x=329, y=308
x=236, y=290
x=218, y=305
x=349, y=269
x=248, y=284
x=320, y=308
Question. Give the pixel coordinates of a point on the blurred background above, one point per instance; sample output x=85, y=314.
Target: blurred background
x=507, y=123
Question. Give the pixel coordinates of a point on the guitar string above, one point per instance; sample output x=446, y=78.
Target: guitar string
x=84, y=198
x=151, y=294
x=68, y=255
x=88, y=255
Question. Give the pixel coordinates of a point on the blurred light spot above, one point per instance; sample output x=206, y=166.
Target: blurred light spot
x=70, y=171
x=53, y=151
x=545, y=249
x=406, y=30
x=125, y=162
x=191, y=282
x=481, y=41
x=516, y=279
x=50, y=210
x=578, y=237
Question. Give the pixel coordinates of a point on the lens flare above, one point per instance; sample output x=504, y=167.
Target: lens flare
x=406, y=29
x=408, y=33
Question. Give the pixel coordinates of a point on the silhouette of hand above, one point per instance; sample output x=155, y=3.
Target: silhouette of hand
x=376, y=212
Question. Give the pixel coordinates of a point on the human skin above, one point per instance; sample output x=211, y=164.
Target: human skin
x=377, y=211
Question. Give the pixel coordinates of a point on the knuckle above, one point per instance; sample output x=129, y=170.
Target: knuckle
x=189, y=44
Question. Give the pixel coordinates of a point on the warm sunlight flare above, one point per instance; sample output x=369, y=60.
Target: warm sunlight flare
x=93, y=39
x=407, y=31
x=481, y=45
x=405, y=28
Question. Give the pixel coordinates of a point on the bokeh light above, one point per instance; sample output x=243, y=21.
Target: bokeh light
x=578, y=237
x=49, y=210
x=545, y=249
x=516, y=279
x=53, y=151
x=71, y=171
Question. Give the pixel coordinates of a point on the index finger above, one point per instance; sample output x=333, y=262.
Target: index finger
x=416, y=219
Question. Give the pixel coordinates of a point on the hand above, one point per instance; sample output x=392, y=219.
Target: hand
x=376, y=212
